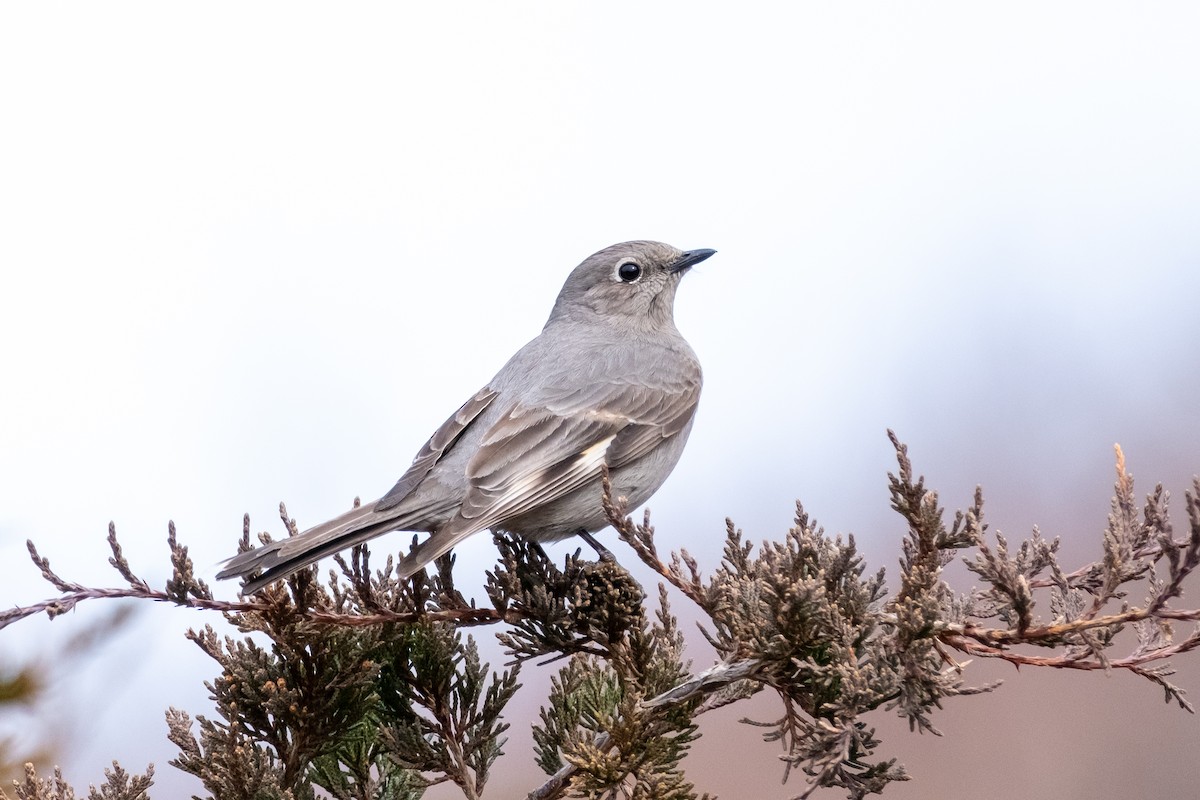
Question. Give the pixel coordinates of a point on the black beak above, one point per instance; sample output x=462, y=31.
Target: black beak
x=691, y=258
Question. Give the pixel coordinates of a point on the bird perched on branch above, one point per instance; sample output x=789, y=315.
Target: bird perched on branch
x=608, y=383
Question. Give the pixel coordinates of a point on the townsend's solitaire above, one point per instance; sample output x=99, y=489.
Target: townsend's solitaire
x=608, y=382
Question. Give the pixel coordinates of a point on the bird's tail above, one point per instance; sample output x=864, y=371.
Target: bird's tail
x=279, y=559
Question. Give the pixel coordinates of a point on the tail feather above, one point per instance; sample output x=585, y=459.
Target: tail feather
x=279, y=559
x=441, y=542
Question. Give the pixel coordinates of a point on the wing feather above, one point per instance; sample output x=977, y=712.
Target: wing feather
x=441, y=441
x=537, y=453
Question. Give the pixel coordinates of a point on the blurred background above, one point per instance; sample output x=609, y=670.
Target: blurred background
x=253, y=253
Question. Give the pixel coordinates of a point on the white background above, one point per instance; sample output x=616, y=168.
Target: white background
x=258, y=252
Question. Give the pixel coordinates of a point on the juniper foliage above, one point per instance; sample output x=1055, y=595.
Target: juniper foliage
x=364, y=686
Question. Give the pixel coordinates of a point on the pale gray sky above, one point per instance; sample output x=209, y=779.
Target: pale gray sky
x=258, y=252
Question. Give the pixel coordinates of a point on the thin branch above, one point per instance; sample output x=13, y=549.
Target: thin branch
x=641, y=539
x=470, y=617
x=1034, y=635
x=1133, y=663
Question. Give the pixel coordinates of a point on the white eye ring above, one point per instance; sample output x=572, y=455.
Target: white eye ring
x=629, y=272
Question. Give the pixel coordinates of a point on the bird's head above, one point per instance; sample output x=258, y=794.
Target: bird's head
x=632, y=283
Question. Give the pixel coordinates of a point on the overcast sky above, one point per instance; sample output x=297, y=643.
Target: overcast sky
x=258, y=252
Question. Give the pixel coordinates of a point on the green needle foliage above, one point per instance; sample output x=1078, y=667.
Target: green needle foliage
x=366, y=687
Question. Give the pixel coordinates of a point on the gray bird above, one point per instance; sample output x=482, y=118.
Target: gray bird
x=608, y=382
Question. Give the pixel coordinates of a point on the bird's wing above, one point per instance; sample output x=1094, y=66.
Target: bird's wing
x=433, y=450
x=657, y=416
x=536, y=454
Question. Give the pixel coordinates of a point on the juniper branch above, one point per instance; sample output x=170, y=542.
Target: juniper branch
x=184, y=590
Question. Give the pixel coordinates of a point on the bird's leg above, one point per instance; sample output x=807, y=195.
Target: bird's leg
x=602, y=552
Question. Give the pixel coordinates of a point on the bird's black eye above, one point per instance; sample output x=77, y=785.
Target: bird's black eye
x=629, y=272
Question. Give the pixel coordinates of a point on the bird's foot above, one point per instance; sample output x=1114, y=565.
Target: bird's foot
x=602, y=552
